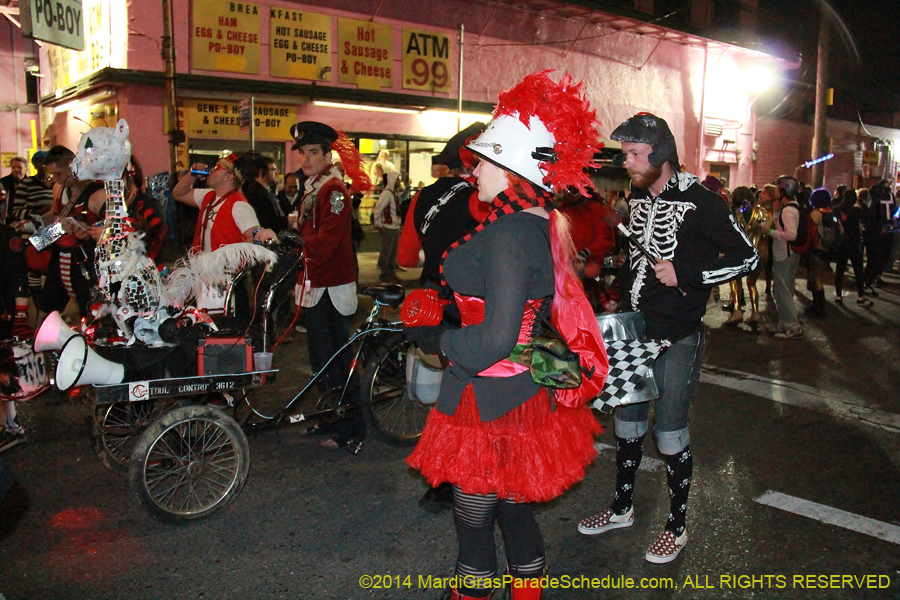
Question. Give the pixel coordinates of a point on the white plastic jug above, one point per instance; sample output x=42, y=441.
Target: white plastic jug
x=423, y=376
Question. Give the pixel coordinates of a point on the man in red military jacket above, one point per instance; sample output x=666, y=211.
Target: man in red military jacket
x=329, y=290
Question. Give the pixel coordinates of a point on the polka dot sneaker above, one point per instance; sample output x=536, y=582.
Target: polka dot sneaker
x=606, y=521
x=666, y=547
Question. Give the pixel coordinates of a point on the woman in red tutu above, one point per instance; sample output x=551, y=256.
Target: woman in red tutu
x=501, y=440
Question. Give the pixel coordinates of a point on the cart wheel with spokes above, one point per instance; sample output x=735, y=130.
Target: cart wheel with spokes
x=189, y=465
x=116, y=427
x=394, y=417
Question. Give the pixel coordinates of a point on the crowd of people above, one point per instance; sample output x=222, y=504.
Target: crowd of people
x=503, y=236
x=791, y=226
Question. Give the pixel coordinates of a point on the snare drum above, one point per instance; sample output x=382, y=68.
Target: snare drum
x=625, y=326
x=23, y=372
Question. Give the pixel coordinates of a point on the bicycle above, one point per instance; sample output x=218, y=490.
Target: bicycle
x=188, y=462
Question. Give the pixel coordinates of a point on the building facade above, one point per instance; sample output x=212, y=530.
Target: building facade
x=390, y=73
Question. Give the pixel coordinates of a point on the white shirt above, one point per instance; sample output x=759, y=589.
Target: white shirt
x=343, y=297
x=243, y=214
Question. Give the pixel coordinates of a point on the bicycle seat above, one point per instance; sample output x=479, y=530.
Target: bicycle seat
x=391, y=294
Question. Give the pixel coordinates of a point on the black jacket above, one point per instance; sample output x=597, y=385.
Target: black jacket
x=442, y=217
x=694, y=229
x=507, y=263
x=264, y=205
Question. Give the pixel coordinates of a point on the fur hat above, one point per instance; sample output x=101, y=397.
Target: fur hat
x=646, y=128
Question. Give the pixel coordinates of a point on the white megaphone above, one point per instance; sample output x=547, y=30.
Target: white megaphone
x=53, y=333
x=80, y=365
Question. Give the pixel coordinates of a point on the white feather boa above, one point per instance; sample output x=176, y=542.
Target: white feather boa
x=193, y=272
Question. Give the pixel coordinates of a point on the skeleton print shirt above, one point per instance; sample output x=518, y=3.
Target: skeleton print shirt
x=695, y=230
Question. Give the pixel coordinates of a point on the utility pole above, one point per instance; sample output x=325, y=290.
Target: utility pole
x=462, y=30
x=168, y=55
x=820, y=135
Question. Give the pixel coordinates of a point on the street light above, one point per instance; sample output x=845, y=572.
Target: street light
x=758, y=78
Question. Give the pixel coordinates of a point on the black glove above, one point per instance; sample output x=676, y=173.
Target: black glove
x=583, y=255
x=428, y=339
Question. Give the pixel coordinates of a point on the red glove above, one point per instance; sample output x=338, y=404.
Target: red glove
x=422, y=308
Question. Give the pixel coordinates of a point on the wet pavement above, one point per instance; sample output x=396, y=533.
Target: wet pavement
x=796, y=449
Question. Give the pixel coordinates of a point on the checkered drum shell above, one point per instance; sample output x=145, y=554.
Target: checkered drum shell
x=618, y=327
x=630, y=379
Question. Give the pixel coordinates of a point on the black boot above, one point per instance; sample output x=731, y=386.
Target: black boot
x=817, y=308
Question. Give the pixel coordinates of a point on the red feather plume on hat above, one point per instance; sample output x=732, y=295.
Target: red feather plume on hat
x=567, y=114
x=352, y=162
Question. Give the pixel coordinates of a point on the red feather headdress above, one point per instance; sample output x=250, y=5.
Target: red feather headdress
x=566, y=114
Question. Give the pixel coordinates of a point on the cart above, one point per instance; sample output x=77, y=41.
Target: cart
x=187, y=459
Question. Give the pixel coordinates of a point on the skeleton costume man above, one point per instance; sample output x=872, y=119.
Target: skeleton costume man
x=698, y=245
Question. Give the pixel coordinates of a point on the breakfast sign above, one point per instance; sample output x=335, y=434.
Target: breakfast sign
x=225, y=36
x=299, y=44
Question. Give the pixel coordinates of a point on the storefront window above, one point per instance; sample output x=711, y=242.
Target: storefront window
x=209, y=151
x=411, y=158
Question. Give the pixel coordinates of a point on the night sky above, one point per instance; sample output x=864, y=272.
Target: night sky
x=870, y=85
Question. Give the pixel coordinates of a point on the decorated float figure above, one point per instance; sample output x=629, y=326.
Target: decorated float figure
x=126, y=277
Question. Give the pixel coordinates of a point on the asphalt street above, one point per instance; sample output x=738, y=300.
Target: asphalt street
x=796, y=449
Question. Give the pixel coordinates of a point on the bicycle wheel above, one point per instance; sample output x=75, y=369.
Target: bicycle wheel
x=394, y=417
x=116, y=427
x=189, y=465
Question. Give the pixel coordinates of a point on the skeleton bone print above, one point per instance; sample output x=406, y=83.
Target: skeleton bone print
x=655, y=223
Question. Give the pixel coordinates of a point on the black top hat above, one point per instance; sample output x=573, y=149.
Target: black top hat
x=312, y=132
x=450, y=154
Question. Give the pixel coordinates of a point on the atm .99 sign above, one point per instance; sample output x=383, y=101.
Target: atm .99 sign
x=426, y=61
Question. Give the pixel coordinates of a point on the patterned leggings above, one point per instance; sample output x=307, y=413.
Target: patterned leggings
x=475, y=514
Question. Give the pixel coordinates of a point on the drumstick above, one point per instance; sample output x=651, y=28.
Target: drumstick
x=637, y=244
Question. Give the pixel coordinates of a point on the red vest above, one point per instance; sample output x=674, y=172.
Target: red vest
x=224, y=230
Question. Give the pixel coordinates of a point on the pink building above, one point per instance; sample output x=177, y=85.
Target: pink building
x=388, y=73
x=18, y=92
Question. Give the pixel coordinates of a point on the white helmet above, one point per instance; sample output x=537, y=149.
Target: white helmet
x=509, y=144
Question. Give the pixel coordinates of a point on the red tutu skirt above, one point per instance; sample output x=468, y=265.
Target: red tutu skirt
x=530, y=454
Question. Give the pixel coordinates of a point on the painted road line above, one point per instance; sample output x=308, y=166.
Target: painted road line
x=831, y=516
x=647, y=463
x=795, y=394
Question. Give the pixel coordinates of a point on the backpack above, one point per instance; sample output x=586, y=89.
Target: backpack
x=831, y=233
x=807, y=232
